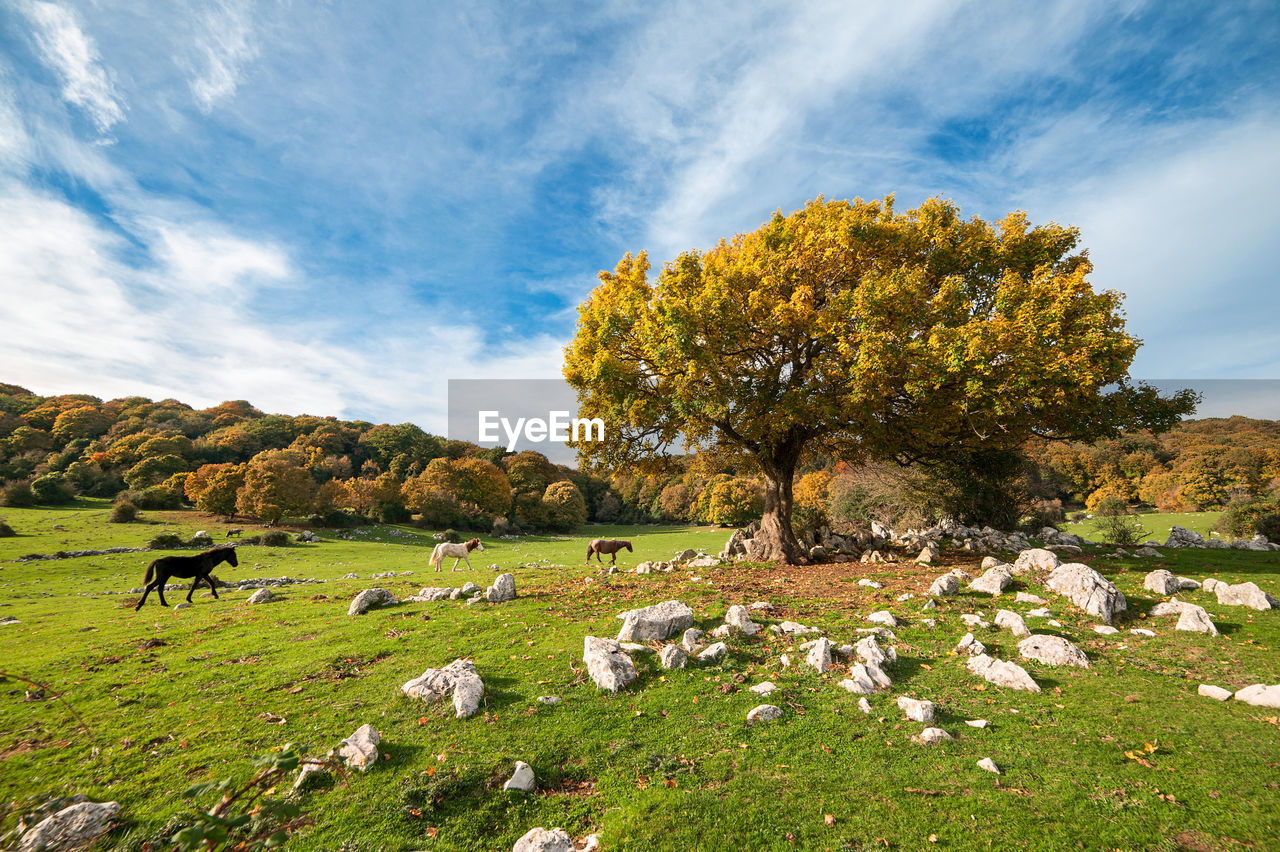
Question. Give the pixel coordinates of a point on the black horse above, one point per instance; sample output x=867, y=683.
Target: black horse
x=197, y=566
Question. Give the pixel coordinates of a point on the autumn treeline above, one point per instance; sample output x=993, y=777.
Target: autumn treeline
x=233, y=459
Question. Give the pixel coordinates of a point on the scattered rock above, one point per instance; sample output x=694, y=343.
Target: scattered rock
x=1037, y=561
x=1052, y=651
x=1002, y=673
x=870, y=584
x=871, y=652
x=1028, y=598
x=1142, y=631
x=521, y=779
x=883, y=617
x=1195, y=619
x=973, y=620
x=655, y=622
x=1217, y=693
x=763, y=713
x=916, y=711
x=929, y=604
x=761, y=606
x=977, y=723
x=1260, y=695
x=945, y=586
x=542, y=840
x=970, y=646
x=989, y=765
x=1186, y=584
x=932, y=736
x=1162, y=582
x=370, y=598
x=1148, y=552
x=549, y=700
x=459, y=677
x=1042, y=612
x=1211, y=583
x=993, y=581
x=1105, y=629
x=502, y=590
x=360, y=750
x=713, y=653
x=1183, y=537
x=261, y=596
x=1088, y=589
x=1244, y=594
x=764, y=690
x=673, y=657
x=608, y=665
x=820, y=655
x=739, y=620
x=469, y=588
x=70, y=828
x=795, y=629
x=691, y=641
x=864, y=705
x=1012, y=622
x=927, y=556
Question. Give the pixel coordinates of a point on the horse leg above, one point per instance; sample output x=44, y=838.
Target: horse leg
x=161, y=579
x=146, y=591
x=208, y=579
x=195, y=581
x=613, y=558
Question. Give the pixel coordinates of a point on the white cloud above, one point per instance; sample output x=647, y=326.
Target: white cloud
x=225, y=43
x=67, y=50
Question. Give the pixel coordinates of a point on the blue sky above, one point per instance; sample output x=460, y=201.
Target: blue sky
x=335, y=208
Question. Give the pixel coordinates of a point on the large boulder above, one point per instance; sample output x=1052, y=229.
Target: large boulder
x=608, y=665
x=360, y=750
x=1088, y=589
x=872, y=654
x=739, y=619
x=673, y=657
x=502, y=590
x=1037, y=560
x=1012, y=622
x=522, y=778
x=1183, y=537
x=1195, y=619
x=1052, y=651
x=370, y=598
x=262, y=596
x=1244, y=594
x=968, y=646
x=1162, y=582
x=916, y=711
x=820, y=655
x=993, y=581
x=1002, y=673
x=70, y=828
x=435, y=593
x=459, y=678
x=659, y=621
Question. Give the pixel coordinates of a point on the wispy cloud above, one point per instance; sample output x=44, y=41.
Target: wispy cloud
x=73, y=56
x=225, y=43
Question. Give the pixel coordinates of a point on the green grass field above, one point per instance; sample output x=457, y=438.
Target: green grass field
x=666, y=764
x=1157, y=524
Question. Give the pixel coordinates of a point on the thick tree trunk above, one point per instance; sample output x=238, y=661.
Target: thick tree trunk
x=776, y=536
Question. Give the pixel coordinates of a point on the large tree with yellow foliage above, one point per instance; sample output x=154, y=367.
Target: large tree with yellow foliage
x=854, y=330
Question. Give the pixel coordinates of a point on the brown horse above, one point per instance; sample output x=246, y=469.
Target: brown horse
x=197, y=566
x=607, y=545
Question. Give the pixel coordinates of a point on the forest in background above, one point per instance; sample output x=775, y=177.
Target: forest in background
x=234, y=460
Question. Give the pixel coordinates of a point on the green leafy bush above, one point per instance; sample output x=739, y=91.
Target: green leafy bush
x=18, y=495
x=1245, y=520
x=167, y=541
x=275, y=538
x=123, y=512
x=6, y=531
x=1117, y=525
x=52, y=489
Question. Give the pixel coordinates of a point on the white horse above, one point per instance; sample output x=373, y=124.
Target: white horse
x=444, y=550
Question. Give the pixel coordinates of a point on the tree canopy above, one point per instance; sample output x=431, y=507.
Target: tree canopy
x=853, y=330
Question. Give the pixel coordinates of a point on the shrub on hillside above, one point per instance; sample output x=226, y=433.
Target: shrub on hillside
x=167, y=541
x=6, y=531
x=1255, y=517
x=157, y=497
x=451, y=536
x=275, y=538
x=52, y=489
x=17, y=495
x=1117, y=524
x=501, y=526
x=123, y=512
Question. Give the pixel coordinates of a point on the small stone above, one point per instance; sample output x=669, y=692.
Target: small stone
x=820, y=655
x=970, y=646
x=549, y=700
x=1002, y=673
x=370, y=598
x=977, y=723
x=989, y=765
x=1142, y=631
x=713, y=653
x=974, y=620
x=521, y=779
x=1042, y=612
x=1052, y=651
x=1195, y=619
x=905, y=596
x=932, y=736
x=673, y=657
x=360, y=750
x=1162, y=582
x=883, y=617
x=502, y=590
x=542, y=840
x=945, y=586
x=1012, y=622
x=655, y=622
x=1186, y=584
x=261, y=596
x=691, y=641
x=929, y=604
x=1104, y=629
x=764, y=690
x=864, y=705
x=1028, y=598
x=1215, y=692
x=916, y=711
x=763, y=713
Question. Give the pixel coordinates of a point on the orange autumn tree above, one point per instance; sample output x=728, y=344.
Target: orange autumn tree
x=850, y=329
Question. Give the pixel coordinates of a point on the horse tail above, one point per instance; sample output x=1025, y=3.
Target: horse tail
x=146, y=581
x=435, y=556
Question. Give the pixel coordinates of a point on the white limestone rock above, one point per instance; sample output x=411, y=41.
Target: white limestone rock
x=763, y=713
x=764, y=690
x=522, y=779
x=655, y=622
x=945, y=586
x=1012, y=622
x=542, y=840
x=883, y=617
x=932, y=736
x=1088, y=589
x=1052, y=651
x=969, y=646
x=1260, y=695
x=1161, y=582
x=713, y=653
x=70, y=828
x=360, y=750
x=1028, y=598
x=502, y=590
x=1002, y=673
x=820, y=655
x=1217, y=693
x=1195, y=619
x=1036, y=560
x=607, y=664
x=993, y=581
x=989, y=765
x=916, y=711
x=673, y=657
x=370, y=598
x=1244, y=594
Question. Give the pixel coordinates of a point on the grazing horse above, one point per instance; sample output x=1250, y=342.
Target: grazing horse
x=236, y=533
x=607, y=545
x=197, y=566
x=444, y=550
